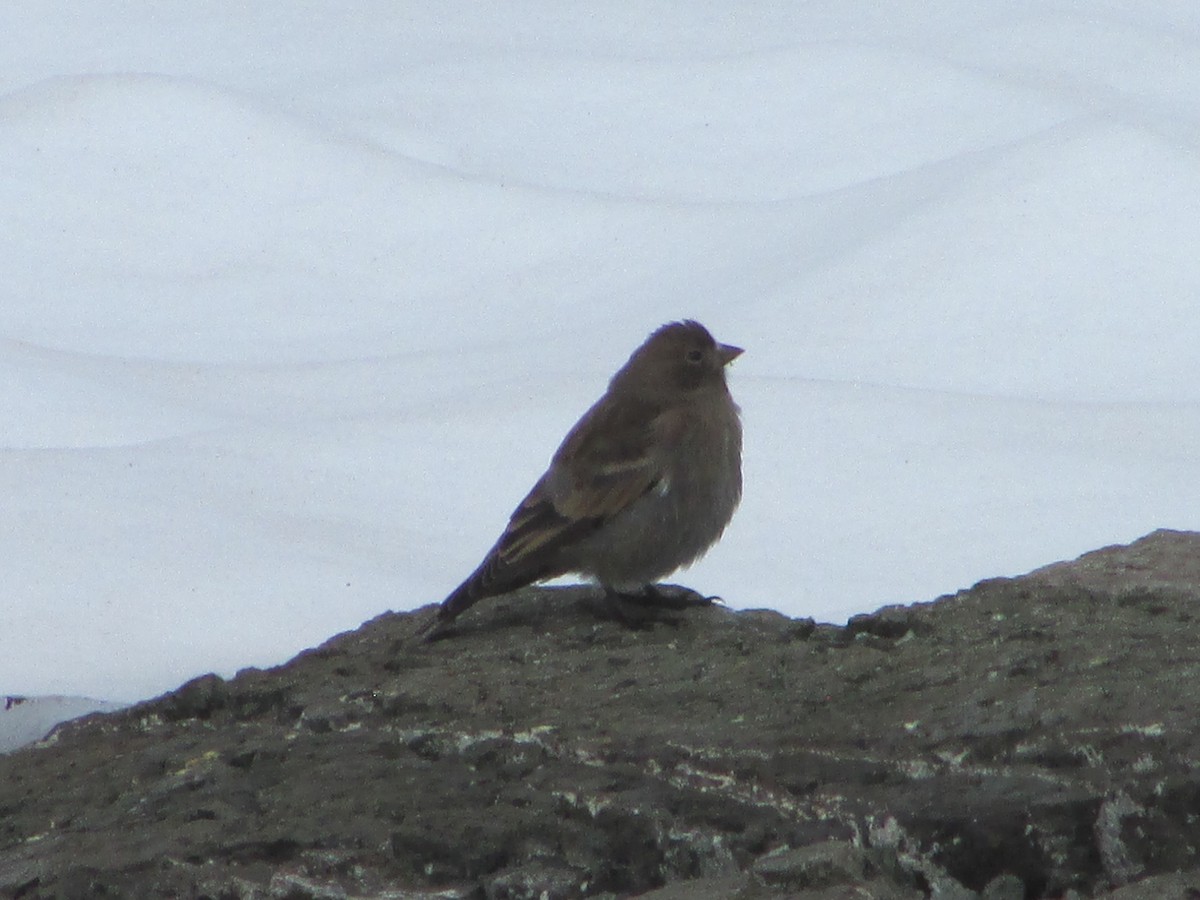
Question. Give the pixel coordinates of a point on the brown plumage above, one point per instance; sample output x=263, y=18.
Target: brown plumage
x=643, y=484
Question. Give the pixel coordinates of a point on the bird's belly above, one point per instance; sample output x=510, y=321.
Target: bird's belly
x=669, y=527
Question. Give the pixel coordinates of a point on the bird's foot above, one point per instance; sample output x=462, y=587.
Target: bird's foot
x=674, y=596
x=641, y=609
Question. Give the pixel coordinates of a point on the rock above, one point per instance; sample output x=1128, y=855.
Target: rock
x=816, y=865
x=729, y=888
x=1030, y=737
x=1004, y=887
x=1177, y=886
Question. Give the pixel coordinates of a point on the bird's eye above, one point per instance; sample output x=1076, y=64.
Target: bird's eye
x=694, y=356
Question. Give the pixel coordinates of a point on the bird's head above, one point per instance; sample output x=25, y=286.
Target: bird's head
x=678, y=358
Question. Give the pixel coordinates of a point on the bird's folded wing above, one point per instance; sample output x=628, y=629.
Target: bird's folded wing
x=596, y=473
x=537, y=531
x=600, y=471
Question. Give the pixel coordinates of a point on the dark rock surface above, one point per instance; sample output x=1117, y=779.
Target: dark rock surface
x=1030, y=737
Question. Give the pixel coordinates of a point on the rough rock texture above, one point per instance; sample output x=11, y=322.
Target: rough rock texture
x=1032, y=737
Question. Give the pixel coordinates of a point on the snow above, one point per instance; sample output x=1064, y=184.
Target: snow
x=24, y=720
x=298, y=302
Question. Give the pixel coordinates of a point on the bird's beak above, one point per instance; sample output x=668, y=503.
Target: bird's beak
x=728, y=353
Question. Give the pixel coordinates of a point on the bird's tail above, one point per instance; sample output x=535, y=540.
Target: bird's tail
x=491, y=579
x=529, y=550
x=467, y=594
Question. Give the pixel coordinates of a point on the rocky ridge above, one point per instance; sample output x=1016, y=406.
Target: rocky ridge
x=1030, y=737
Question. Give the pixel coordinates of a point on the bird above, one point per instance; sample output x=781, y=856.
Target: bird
x=643, y=484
